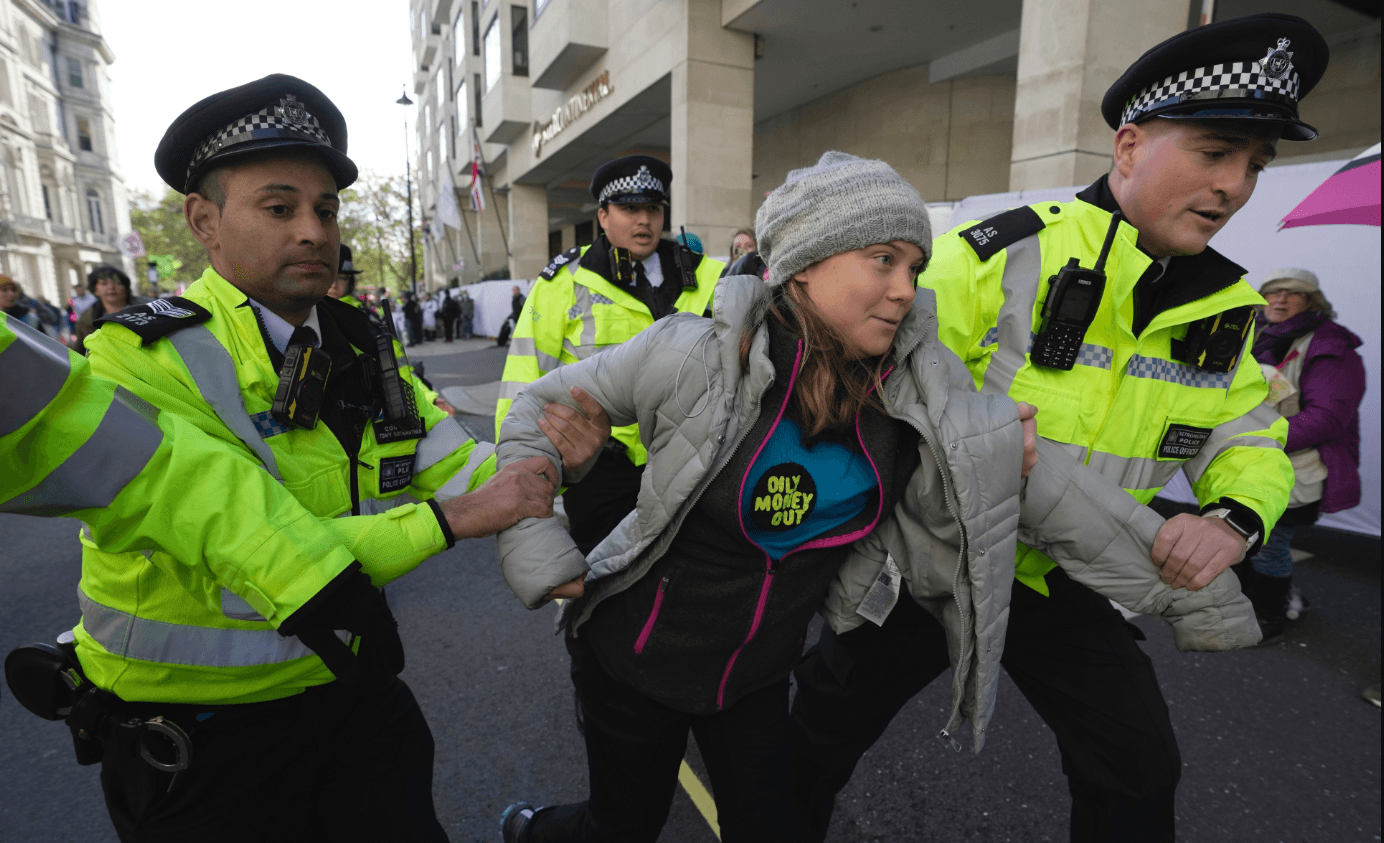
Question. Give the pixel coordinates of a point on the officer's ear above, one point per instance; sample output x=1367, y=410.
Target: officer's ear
x=1129, y=140
x=203, y=218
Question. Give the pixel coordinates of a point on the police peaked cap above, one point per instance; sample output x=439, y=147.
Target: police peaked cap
x=1257, y=67
x=347, y=266
x=632, y=180
x=276, y=112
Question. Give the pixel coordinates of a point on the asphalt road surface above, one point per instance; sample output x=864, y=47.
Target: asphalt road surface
x=1277, y=744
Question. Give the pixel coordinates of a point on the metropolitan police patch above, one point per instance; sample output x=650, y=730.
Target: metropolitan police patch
x=1182, y=441
x=395, y=473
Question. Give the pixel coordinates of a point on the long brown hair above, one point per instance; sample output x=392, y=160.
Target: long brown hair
x=832, y=388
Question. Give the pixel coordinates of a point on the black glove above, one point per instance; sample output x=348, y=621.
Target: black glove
x=349, y=602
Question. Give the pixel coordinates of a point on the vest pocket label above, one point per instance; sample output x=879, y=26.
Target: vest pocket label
x=1182, y=441
x=395, y=473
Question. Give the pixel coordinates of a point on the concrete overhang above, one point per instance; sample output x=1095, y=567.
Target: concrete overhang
x=566, y=40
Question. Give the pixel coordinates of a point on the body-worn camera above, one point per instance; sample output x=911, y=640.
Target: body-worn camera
x=302, y=385
x=621, y=265
x=1214, y=343
x=1074, y=295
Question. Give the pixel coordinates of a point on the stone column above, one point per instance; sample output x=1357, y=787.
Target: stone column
x=712, y=128
x=528, y=230
x=1070, y=52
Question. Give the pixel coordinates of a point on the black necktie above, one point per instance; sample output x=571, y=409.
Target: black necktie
x=303, y=335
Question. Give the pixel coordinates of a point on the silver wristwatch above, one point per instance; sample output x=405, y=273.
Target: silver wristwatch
x=1236, y=522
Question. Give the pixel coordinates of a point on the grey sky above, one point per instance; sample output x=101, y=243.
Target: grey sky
x=171, y=54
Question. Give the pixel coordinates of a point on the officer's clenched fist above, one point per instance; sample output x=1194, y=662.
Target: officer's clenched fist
x=1192, y=551
x=523, y=489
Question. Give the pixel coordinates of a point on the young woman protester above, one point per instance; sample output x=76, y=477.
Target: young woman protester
x=812, y=427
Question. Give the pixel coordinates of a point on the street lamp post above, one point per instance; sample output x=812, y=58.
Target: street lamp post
x=408, y=182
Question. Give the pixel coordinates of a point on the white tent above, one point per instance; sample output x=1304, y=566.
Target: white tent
x=493, y=301
x=1345, y=257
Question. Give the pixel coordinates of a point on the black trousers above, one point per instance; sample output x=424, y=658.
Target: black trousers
x=1073, y=657
x=449, y=324
x=598, y=504
x=634, y=747
x=333, y=763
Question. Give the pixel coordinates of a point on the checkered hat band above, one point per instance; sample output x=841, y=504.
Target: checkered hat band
x=639, y=183
x=263, y=124
x=1245, y=78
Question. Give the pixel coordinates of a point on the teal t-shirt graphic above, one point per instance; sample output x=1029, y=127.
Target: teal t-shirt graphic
x=795, y=494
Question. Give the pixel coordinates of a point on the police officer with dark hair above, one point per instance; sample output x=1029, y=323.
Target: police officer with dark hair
x=1131, y=336
x=281, y=678
x=591, y=298
x=343, y=289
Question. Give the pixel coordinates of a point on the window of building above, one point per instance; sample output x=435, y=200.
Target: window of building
x=586, y=233
x=554, y=243
x=94, y=212
x=47, y=203
x=463, y=107
x=74, y=72
x=519, y=39
x=84, y=134
x=476, y=89
x=538, y=7
x=440, y=88
x=39, y=115
x=475, y=28
x=493, y=65
x=442, y=140
x=459, y=38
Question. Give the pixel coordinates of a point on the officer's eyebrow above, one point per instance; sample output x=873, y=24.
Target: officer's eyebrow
x=288, y=188
x=1266, y=149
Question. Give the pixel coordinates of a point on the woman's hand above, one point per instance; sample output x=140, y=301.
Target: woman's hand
x=1026, y=417
x=577, y=435
x=571, y=590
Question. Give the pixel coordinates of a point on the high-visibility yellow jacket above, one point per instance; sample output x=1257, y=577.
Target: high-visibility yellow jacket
x=174, y=628
x=574, y=311
x=1127, y=408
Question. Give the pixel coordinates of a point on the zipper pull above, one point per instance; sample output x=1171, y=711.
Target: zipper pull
x=663, y=585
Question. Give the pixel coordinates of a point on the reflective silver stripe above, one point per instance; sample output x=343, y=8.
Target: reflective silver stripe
x=1135, y=472
x=132, y=637
x=458, y=483
x=115, y=453
x=234, y=606
x=511, y=389
x=213, y=370
x=33, y=370
x=444, y=438
x=581, y=310
x=527, y=347
x=374, y=506
x=1171, y=371
x=1234, y=434
x=1014, y=325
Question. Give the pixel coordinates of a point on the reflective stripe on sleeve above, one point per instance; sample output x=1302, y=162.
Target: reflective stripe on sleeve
x=115, y=453
x=445, y=437
x=581, y=311
x=132, y=637
x=527, y=347
x=33, y=370
x=212, y=368
x=1014, y=329
x=458, y=483
x=1235, y=433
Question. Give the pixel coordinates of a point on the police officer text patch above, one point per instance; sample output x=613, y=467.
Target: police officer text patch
x=158, y=318
x=989, y=237
x=395, y=473
x=1182, y=441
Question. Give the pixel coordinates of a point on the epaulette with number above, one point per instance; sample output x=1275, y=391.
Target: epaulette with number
x=991, y=236
x=559, y=262
x=158, y=318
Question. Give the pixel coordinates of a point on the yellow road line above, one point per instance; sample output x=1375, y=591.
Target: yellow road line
x=700, y=797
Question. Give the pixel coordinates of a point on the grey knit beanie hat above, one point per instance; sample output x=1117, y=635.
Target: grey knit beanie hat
x=839, y=204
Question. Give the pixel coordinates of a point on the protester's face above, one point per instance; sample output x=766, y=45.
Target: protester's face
x=744, y=244
x=9, y=294
x=1284, y=305
x=277, y=238
x=111, y=293
x=865, y=293
x=1182, y=181
x=633, y=227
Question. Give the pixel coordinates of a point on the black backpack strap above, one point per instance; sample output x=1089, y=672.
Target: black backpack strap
x=158, y=318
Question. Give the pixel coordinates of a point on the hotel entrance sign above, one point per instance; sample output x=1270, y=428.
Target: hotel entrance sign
x=568, y=112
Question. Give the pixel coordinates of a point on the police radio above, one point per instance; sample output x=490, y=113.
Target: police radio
x=302, y=385
x=686, y=261
x=1074, y=295
x=394, y=396
x=1214, y=343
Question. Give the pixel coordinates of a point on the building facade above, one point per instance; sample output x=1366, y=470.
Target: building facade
x=62, y=203
x=963, y=99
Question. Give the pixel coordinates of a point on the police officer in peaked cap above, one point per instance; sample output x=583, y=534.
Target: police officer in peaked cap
x=282, y=680
x=594, y=297
x=1196, y=119
x=344, y=287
